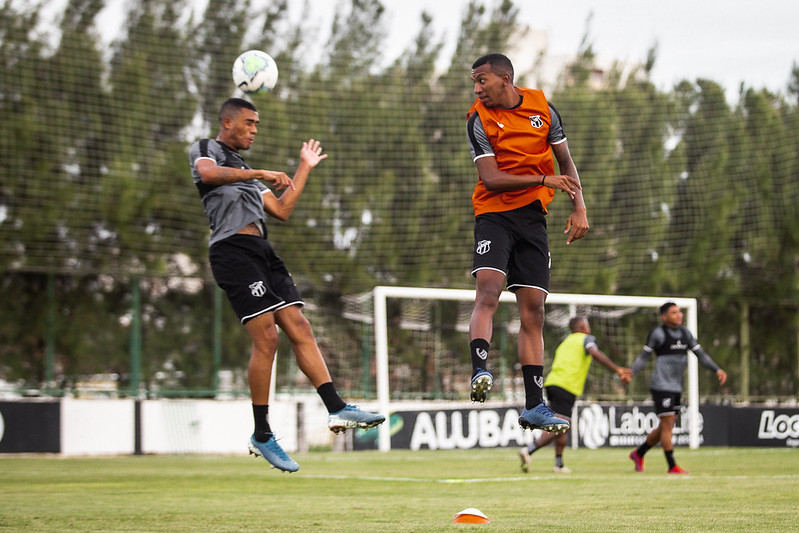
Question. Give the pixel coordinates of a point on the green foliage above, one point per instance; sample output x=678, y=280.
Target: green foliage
x=218, y=41
x=687, y=194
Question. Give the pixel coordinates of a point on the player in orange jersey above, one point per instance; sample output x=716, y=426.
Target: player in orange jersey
x=513, y=133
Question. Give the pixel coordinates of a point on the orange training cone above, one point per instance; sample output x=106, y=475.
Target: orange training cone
x=471, y=516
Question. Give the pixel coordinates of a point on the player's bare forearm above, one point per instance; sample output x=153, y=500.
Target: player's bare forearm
x=569, y=169
x=600, y=356
x=577, y=224
x=282, y=207
x=577, y=198
x=310, y=156
x=496, y=180
x=213, y=174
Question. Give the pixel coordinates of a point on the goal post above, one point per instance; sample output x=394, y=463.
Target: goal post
x=381, y=294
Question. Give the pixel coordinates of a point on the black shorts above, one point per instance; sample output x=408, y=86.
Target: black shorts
x=254, y=278
x=514, y=243
x=666, y=403
x=560, y=400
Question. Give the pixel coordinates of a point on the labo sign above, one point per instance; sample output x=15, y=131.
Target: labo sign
x=599, y=425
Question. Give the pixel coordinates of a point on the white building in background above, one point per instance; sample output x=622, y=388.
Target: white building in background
x=535, y=67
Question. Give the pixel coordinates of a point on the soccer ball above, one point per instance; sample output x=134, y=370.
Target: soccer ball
x=255, y=72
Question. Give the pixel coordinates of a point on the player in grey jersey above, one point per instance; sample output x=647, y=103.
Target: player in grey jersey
x=258, y=284
x=670, y=343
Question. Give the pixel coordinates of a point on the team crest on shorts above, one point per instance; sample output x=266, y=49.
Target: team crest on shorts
x=536, y=121
x=257, y=289
x=483, y=247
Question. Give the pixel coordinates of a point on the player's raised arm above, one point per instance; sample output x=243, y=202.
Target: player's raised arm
x=282, y=207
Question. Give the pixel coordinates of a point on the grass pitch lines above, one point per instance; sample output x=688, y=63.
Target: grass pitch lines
x=450, y=481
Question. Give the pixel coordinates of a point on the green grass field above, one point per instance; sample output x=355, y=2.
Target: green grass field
x=729, y=490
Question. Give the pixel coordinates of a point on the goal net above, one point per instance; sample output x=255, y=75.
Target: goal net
x=421, y=344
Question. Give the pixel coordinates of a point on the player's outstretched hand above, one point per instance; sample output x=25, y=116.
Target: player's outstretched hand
x=626, y=375
x=722, y=375
x=311, y=153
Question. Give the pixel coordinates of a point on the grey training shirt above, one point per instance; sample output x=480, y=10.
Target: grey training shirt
x=670, y=346
x=230, y=207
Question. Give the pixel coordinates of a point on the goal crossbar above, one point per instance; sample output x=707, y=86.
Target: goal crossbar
x=382, y=293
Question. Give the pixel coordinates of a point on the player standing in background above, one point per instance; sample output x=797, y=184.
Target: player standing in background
x=670, y=343
x=255, y=279
x=566, y=381
x=512, y=134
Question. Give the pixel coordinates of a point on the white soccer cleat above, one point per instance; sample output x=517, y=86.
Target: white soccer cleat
x=352, y=417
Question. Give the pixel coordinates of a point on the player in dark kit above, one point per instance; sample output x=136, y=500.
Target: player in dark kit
x=255, y=279
x=513, y=133
x=670, y=343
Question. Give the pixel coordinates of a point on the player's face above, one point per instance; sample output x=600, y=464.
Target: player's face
x=673, y=317
x=244, y=126
x=488, y=86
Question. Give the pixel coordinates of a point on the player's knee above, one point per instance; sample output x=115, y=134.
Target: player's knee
x=488, y=299
x=296, y=327
x=264, y=340
x=667, y=422
x=532, y=317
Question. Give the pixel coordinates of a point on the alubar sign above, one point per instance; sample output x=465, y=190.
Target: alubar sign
x=594, y=425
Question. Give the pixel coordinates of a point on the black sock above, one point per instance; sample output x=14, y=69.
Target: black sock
x=331, y=399
x=533, y=385
x=479, y=351
x=532, y=448
x=559, y=461
x=260, y=414
x=642, y=449
x=670, y=458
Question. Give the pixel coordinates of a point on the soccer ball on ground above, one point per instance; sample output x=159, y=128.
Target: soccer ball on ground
x=255, y=72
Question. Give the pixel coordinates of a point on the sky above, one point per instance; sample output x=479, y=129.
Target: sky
x=727, y=41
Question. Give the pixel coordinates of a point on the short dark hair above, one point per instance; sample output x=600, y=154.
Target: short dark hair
x=575, y=321
x=666, y=306
x=232, y=106
x=499, y=63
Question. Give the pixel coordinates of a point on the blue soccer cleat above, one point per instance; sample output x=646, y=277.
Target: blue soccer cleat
x=273, y=453
x=542, y=417
x=352, y=417
x=481, y=384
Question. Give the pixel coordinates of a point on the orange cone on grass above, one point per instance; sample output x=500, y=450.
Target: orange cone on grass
x=471, y=516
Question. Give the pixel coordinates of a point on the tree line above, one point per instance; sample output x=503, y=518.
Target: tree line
x=687, y=194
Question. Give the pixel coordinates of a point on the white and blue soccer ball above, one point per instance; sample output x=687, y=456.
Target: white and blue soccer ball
x=255, y=72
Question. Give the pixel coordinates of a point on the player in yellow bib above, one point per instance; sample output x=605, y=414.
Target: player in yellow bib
x=566, y=381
